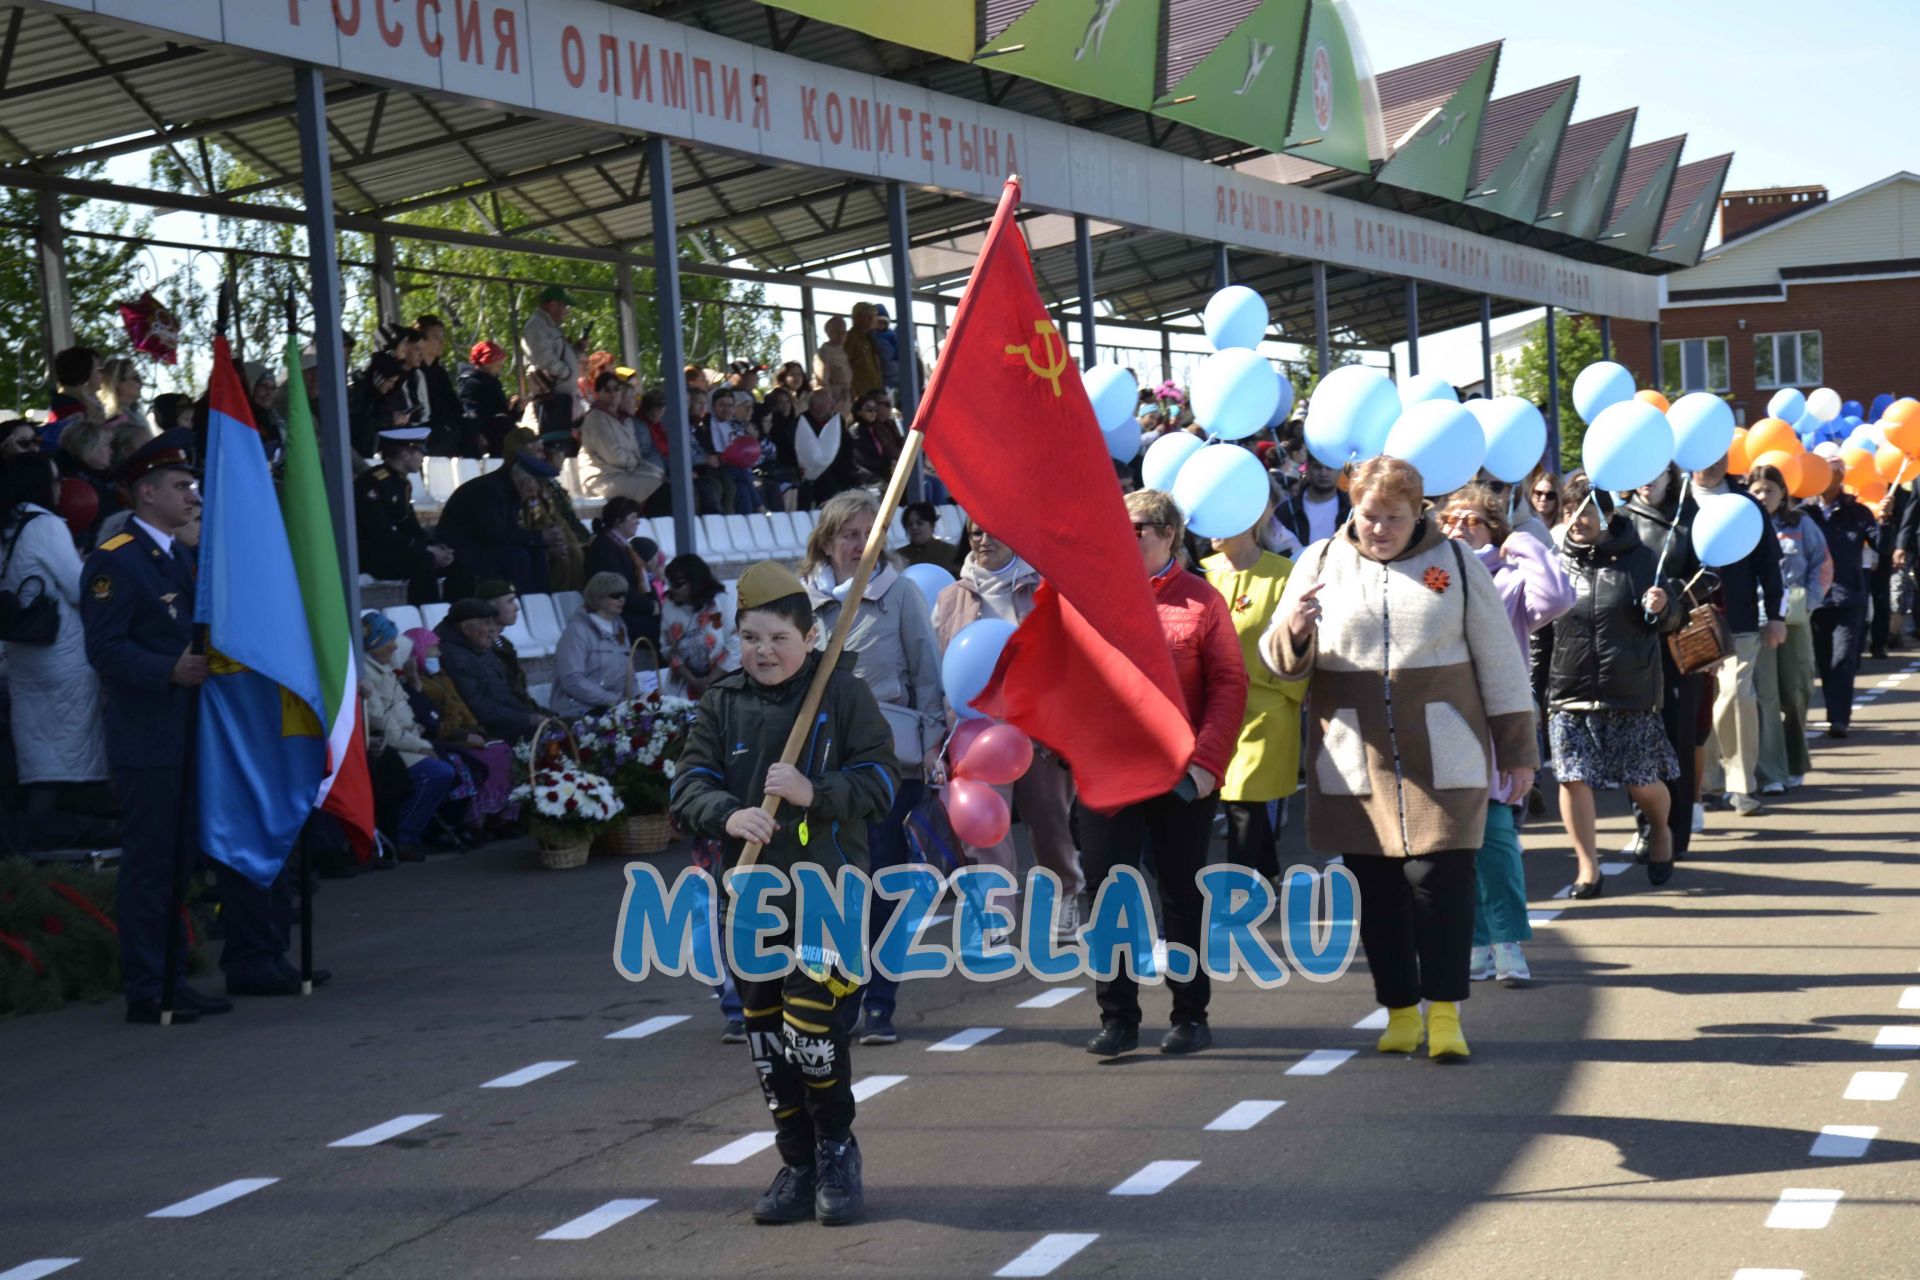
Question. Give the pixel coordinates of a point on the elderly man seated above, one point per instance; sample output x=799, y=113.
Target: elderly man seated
x=479, y=673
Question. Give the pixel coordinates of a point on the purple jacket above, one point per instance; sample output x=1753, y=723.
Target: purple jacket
x=1535, y=591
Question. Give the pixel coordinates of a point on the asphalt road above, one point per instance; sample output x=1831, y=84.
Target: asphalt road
x=1690, y=1088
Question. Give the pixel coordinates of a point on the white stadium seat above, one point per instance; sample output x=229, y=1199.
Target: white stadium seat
x=521, y=633
x=403, y=616
x=465, y=469
x=664, y=536
x=752, y=535
x=566, y=604
x=540, y=693
x=430, y=614
x=714, y=541
x=440, y=478
x=896, y=533
x=537, y=612
x=786, y=539
x=729, y=601
x=489, y=464
x=570, y=476
x=952, y=521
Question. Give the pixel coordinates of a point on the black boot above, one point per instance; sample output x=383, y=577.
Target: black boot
x=789, y=1199
x=1115, y=1038
x=838, y=1196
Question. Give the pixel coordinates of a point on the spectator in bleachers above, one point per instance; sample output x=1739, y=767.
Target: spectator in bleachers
x=896, y=655
x=831, y=371
x=613, y=550
x=743, y=377
x=263, y=390
x=554, y=510
x=172, y=409
x=393, y=546
x=77, y=377
x=552, y=360
x=863, y=360
x=920, y=520
x=468, y=639
x=792, y=378
x=392, y=726
x=612, y=461
x=483, y=400
x=593, y=663
x=120, y=388
x=710, y=494
x=731, y=429
x=697, y=640
x=124, y=436
x=433, y=389
x=376, y=401
x=823, y=451
x=86, y=448
x=876, y=442
x=19, y=438
x=491, y=523
x=458, y=736
x=886, y=348
x=55, y=692
x=779, y=469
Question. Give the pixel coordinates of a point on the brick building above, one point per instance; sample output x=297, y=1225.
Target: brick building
x=1802, y=291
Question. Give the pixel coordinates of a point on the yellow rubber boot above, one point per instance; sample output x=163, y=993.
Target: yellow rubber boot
x=1444, y=1041
x=1403, y=1030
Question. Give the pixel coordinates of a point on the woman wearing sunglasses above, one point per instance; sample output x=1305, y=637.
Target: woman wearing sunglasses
x=1177, y=826
x=591, y=667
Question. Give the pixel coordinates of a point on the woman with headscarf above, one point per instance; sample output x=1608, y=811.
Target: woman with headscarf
x=391, y=726
x=457, y=735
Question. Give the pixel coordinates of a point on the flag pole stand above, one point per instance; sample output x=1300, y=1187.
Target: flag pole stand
x=837, y=642
x=306, y=910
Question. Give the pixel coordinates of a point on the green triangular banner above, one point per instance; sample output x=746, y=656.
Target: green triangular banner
x=1438, y=159
x=1245, y=87
x=1336, y=110
x=1106, y=49
x=1518, y=187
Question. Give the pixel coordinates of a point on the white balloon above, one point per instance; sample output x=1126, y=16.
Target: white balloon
x=1114, y=393
x=1824, y=404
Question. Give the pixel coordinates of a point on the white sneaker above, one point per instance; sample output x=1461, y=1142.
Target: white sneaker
x=1699, y=818
x=1510, y=963
x=1066, y=919
x=1797, y=780
x=1480, y=965
x=1744, y=805
x=1773, y=789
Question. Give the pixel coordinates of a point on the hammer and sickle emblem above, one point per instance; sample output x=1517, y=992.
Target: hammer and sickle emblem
x=1055, y=354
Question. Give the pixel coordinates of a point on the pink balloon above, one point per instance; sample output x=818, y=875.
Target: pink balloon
x=1000, y=755
x=979, y=816
x=963, y=738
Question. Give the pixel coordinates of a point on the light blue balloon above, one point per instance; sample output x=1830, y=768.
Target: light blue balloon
x=1702, y=430
x=1426, y=386
x=1726, y=528
x=1165, y=457
x=1285, y=406
x=1236, y=317
x=1123, y=442
x=969, y=662
x=1114, y=393
x=1350, y=414
x=1443, y=442
x=1515, y=433
x=1627, y=446
x=1866, y=436
x=931, y=579
x=1600, y=386
x=1235, y=393
x=1221, y=491
x=1787, y=405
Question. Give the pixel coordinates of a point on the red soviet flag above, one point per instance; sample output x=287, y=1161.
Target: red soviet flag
x=1010, y=428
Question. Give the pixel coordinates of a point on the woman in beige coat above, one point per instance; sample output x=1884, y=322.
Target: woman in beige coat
x=611, y=462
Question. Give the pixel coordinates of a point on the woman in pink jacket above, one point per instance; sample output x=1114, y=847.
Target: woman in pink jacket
x=1535, y=591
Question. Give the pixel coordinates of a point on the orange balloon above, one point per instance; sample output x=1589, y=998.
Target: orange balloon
x=1901, y=410
x=1816, y=473
x=1654, y=398
x=1787, y=464
x=1903, y=432
x=1869, y=493
x=1894, y=466
x=1860, y=469
x=1769, y=434
x=1737, y=462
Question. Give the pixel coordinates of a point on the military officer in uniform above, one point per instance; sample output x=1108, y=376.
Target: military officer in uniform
x=137, y=607
x=392, y=543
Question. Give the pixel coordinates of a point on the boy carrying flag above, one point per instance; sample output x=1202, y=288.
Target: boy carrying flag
x=798, y=1026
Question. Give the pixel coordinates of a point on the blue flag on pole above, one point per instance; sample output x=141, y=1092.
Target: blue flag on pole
x=262, y=753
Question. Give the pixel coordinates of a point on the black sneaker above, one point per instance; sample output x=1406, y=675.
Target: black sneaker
x=736, y=1032
x=1115, y=1038
x=838, y=1196
x=1187, y=1037
x=789, y=1199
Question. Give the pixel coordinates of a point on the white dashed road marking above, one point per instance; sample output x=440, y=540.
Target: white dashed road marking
x=1843, y=1141
x=1320, y=1062
x=1804, y=1208
x=1542, y=917
x=1242, y=1116
x=641, y=1030
x=222, y=1194
x=588, y=1225
x=1768, y=1273
x=864, y=1089
x=1060, y=995
x=1875, y=1086
x=381, y=1132
x=1375, y=1021
x=526, y=1075
x=1046, y=1256
x=963, y=1039
x=1155, y=1178
x=1910, y=998
x=739, y=1150
x=46, y=1267
x=1897, y=1038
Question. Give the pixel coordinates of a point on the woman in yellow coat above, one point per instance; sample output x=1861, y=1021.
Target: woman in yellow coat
x=1265, y=768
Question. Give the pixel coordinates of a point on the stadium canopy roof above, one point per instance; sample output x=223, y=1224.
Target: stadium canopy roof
x=1170, y=125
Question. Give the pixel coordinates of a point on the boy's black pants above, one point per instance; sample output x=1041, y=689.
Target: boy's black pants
x=799, y=1031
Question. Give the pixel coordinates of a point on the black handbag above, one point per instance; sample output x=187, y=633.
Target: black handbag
x=28, y=615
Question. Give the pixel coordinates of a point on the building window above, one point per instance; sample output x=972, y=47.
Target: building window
x=1694, y=364
x=1786, y=359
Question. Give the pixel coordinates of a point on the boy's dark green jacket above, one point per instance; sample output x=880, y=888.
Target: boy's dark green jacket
x=741, y=730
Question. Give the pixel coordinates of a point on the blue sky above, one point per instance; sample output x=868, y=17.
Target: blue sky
x=1800, y=93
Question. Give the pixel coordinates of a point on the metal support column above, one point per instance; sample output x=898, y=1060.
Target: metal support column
x=1553, y=395
x=1413, y=328
x=1323, y=341
x=673, y=359
x=1486, y=344
x=909, y=364
x=809, y=333
x=386, y=284
x=1166, y=355
x=1222, y=268
x=1659, y=364
x=329, y=347
x=939, y=327
x=1083, y=267
x=55, y=301
x=627, y=312
x=1606, y=337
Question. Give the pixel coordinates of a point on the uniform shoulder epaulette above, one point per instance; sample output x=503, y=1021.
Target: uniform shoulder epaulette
x=116, y=542
x=379, y=473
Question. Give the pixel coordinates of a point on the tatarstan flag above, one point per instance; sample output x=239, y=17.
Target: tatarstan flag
x=1089, y=672
x=347, y=790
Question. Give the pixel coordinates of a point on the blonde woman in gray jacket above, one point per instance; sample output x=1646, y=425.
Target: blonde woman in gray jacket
x=895, y=653
x=593, y=663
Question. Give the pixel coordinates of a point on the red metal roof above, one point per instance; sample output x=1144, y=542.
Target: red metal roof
x=1689, y=180
x=1408, y=94
x=1644, y=163
x=1581, y=145
x=997, y=15
x=1195, y=28
x=1508, y=120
